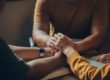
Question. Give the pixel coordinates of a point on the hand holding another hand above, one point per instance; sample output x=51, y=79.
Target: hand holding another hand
x=105, y=58
x=51, y=51
x=61, y=41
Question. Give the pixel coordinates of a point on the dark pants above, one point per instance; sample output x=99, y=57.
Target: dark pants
x=11, y=67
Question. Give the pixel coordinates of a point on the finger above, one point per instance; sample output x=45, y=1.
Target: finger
x=98, y=59
x=58, y=53
x=53, y=39
x=60, y=46
x=53, y=42
x=50, y=43
x=56, y=43
x=57, y=37
x=52, y=53
x=60, y=35
x=102, y=59
x=108, y=55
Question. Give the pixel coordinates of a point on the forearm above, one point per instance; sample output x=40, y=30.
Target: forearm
x=84, y=70
x=40, y=33
x=41, y=24
x=99, y=25
x=42, y=67
x=90, y=43
x=40, y=38
x=26, y=53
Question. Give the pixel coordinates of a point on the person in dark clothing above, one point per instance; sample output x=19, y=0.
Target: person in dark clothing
x=14, y=67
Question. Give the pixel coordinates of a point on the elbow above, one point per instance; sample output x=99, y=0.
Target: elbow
x=34, y=36
x=36, y=39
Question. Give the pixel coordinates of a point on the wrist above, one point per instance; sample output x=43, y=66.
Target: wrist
x=77, y=46
x=67, y=51
x=41, y=52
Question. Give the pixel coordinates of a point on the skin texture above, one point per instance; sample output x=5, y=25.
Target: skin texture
x=79, y=65
x=105, y=58
x=42, y=67
x=62, y=42
x=28, y=53
x=38, y=68
x=98, y=27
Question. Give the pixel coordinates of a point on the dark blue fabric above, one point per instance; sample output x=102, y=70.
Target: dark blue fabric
x=11, y=67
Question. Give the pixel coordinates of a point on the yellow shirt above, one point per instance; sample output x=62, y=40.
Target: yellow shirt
x=85, y=71
x=73, y=19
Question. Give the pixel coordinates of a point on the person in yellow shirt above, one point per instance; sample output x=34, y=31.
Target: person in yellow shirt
x=84, y=21
x=14, y=67
x=78, y=64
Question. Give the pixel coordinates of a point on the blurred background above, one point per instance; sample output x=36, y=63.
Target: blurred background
x=16, y=21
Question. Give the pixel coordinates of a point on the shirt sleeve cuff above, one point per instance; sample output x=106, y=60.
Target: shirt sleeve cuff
x=72, y=55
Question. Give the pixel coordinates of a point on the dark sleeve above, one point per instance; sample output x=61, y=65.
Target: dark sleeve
x=11, y=67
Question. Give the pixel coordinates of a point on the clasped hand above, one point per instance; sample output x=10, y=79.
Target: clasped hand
x=60, y=41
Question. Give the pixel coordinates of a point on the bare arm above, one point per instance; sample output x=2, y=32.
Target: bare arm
x=41, y=24
x=41, y=67
x=28, y=53
x=104, y=58
x=99, y=28
x=79, y=65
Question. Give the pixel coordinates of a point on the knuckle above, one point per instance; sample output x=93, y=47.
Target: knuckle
x=56, y=44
